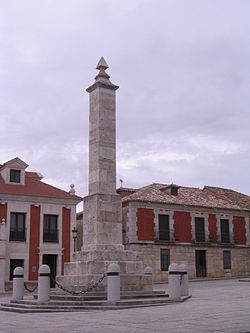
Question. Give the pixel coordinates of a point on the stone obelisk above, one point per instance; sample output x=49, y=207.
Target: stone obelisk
x=103, y=211
x=102, y=215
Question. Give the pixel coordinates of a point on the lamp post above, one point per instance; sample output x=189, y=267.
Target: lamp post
x=74, y=234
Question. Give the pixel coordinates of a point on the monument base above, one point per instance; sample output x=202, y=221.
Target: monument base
x=89, y=266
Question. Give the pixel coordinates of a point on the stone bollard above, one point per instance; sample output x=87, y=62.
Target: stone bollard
x=43, y=284
x=147, y=279
x=113, y=284
x=183, y=279
x=18, y=284
x=174, y=282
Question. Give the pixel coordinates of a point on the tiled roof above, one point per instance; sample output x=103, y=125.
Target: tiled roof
x=207, y=197
x=36, y=188
x=125, y=191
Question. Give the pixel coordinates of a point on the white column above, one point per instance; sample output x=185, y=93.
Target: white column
x=3, y=243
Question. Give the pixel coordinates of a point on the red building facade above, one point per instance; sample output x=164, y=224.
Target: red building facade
x=36, y=220
x=207, y=229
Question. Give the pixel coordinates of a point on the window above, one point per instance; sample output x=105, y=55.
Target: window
x=165, y=259
x=13, y=264
x=164, y=227
x=199, y=229
x=227, y=259
x=224, y=227
x=50, y=232
x=17, y=227
x=15, y=176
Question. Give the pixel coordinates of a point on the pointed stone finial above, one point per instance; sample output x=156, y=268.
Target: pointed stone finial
x=102, y=64
x=102, y=78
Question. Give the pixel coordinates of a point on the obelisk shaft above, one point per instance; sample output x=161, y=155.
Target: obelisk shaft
x=102, y=225
x=102, y=134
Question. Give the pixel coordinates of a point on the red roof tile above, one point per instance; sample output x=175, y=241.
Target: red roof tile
x=34, y=187
x=207, y=197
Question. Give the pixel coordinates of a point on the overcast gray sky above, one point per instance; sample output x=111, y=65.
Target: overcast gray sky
x=183, y=67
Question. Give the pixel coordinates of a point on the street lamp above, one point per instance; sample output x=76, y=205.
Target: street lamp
x=74, y=234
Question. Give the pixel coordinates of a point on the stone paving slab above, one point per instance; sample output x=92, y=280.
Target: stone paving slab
x=216, y=306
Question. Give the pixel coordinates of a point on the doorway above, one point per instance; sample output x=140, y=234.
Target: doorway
x=13, y=264
x=200, y=261
x=51, y=261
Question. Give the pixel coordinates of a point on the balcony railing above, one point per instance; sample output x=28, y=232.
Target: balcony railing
x=18, y=236
x=50, y=236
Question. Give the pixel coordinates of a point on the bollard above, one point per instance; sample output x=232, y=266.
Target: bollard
x=147, y=278
x=183, y=279
x=113, y=284
x=18, y=284
x=43, y=284
x=174, y=282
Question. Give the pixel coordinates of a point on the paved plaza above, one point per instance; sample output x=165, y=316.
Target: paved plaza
x=215, y=306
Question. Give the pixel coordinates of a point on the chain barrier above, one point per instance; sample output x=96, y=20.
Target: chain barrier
x=84, y=290
x=28, y=289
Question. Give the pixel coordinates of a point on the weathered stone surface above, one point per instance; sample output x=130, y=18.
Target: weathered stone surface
x=102, y=217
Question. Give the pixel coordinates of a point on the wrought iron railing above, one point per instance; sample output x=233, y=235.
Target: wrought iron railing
x=50, y=236
x=18, y=235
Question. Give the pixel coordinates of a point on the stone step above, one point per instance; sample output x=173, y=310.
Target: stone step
x=26, y=306
x=103, y=296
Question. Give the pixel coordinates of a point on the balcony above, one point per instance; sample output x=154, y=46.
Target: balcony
x=50, y=236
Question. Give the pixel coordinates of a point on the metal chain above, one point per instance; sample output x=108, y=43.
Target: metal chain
x=28, y=289
x=83, y=291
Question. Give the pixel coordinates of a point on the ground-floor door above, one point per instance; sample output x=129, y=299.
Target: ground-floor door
x=13, y=264
x=51, y=261
x=200, y=261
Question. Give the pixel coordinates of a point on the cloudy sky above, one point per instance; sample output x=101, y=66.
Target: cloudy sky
x=183, y=69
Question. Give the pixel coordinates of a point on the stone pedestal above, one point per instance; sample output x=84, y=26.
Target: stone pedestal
x=102, y=224
x=89, y=266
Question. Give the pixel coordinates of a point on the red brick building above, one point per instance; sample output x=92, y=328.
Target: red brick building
x=207, y=229
x=36, y=220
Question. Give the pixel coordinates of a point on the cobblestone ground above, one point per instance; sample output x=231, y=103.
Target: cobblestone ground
x=216, y=306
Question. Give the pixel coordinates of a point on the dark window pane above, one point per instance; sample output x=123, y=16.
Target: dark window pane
x=50, y=232
x=15, y=176
x=199, y=229
x=164, y=227
x=224, y=225
x=17, y=227
x=165, y=259
x=227, y=259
